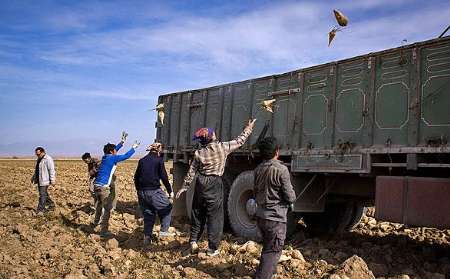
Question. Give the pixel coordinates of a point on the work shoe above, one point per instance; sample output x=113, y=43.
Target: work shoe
x=148, y=240
x=194, y=247
x=212, y=252
x=106, y=234
x=166, y=234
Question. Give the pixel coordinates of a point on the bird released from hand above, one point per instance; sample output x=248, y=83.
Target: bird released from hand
x=342, y=20
x=160, y=109
x=268, y=105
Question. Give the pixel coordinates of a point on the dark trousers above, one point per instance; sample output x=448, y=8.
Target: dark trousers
x=152, y=203
x=207, y=208
x=274, y=234
x=44, y=199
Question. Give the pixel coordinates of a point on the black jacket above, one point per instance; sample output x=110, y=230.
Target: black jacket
x=149, y=172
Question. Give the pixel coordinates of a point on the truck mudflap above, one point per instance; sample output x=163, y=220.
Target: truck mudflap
x=416, y=201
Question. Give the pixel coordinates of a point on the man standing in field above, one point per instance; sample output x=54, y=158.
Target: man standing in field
x=102, y=189
x=44, y=176
x=152, y=199
x=208, y=167
x=93, y=165
x=274, y=194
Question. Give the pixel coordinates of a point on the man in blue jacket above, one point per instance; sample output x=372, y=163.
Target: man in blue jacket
x=152, y=199
x=103, y=180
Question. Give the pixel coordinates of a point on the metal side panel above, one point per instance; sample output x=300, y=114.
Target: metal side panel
x=174, y=120
x=328, y=163
x=197, y=107
x=261, y=88
x=213, y=109
x=284, y=110
x=392, y=97
x=317, y=109
x=241, y=107
x=418, y=201
x=351, y=103
x=184, y=139
x=435, y=94
x=227, y=113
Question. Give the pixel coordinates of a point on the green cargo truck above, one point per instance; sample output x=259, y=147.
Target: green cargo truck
x=369, y=130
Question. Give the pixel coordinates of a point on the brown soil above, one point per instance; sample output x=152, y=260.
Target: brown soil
x=62, y=244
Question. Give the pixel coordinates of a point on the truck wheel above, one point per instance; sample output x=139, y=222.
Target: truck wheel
x=242, y=207
x=358, y=213
x=335, y=219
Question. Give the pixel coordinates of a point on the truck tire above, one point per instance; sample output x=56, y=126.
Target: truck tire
x=336, y=218
x=241, y=193
x=241, y=222
x=358, y=212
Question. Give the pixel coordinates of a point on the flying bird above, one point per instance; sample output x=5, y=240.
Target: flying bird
x=342, y=20
x=160, y=109
x=268, y=105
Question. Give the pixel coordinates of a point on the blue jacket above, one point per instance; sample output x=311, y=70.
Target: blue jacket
x=108, y=166
x=149, y=172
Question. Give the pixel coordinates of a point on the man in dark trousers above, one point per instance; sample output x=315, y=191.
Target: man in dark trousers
x=44, y=176
x=274, y=194
x=208, y=167
x=152, y=199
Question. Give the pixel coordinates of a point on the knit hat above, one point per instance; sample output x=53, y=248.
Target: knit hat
x=204, y=135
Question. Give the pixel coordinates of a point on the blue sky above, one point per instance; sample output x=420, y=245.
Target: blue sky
x=74, y=74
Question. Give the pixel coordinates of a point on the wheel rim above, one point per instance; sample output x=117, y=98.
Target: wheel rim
x=244, y=208
x=250, y=206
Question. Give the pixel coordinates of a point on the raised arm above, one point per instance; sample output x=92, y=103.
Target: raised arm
x=123, y=139
x=119, y=146
x=232, y=145
x=123, y=157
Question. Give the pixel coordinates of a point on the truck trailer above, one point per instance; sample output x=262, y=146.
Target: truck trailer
x=371, y=130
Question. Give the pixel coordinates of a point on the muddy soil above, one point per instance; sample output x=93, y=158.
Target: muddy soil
x=62, y=244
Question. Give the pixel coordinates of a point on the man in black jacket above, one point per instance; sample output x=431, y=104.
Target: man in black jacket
x=152, y=199
x=274, y=194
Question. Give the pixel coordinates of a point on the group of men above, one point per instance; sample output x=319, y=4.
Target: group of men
x=272, y=189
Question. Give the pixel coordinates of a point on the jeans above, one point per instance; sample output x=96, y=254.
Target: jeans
x=103, y=206
x=274, y=234
x=152, y=203
x=207, y=208
x=44, y=199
